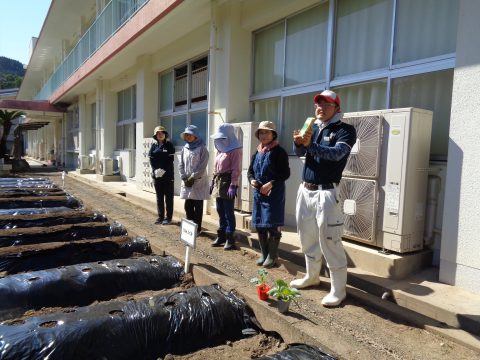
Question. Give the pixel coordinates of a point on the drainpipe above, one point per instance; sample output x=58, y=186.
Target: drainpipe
x=433, y=190
x=212, y=61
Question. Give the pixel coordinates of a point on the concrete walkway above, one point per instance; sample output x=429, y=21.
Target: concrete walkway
x=421, y=299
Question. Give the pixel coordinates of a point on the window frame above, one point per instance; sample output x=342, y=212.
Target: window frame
x=190, y=107
x=388, y=74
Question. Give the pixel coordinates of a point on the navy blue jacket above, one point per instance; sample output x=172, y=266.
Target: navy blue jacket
x=327, y=154
x=161, y=156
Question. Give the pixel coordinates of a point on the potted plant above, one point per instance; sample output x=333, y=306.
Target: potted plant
x=261, y=283
x=284, y=294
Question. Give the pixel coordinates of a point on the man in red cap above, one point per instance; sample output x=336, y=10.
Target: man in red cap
x=319, y=218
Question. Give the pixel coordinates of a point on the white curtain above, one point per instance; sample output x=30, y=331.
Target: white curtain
x=267, y=110
x=431, y=91
x=306, y=46
x=363, y=36
x=297, y=109
x=364, y=97
x=424, y=29
x=269, y=54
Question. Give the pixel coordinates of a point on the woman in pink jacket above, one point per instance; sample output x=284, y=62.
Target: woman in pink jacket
x=227, y=169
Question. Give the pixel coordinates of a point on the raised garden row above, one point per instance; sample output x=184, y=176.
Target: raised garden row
x=58, y=264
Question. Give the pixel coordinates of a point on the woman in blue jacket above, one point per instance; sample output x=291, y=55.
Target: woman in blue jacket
x=161, y=156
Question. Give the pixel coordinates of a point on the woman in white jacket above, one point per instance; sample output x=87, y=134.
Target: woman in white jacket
x=193, y=172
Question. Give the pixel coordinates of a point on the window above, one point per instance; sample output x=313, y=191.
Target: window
x=306, y=46
x=199, y=119
x=183, y=93
x=181, y=85
x=431, y=91
x=297, y=109
x=363, y=97
x=126, y=120
x=269, y=49
x=363, y=36
x=424, y=29
x=73, y=121
x=93, y=128
x=370, y=67
x=267, y=110
x=165, y=91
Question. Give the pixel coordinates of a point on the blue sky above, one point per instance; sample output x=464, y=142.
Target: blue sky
x=21, y=19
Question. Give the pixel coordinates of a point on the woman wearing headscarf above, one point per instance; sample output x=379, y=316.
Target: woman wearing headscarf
x=161, y=156
x=267, y=174
x=193, y=172
x=227, y=169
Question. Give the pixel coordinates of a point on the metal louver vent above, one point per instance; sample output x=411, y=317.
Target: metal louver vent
x=364, y=158
x=358, y=198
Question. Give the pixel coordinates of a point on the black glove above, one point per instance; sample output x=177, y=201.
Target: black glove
x=212, y=185
x=189, y=181
x=153, y=175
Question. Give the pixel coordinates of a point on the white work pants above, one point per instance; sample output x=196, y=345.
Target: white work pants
x=320, y=226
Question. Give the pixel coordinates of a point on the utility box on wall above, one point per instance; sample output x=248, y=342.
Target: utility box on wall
x=245, y=133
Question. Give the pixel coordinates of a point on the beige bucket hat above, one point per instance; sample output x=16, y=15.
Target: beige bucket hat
x=266, y=125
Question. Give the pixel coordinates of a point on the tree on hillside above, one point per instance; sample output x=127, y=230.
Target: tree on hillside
x=6, y=118
x=11, y=73
x=10, y=81
x=11, y=66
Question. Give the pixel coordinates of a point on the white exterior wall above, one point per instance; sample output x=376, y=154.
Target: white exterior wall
x=459, y=260
x=147, y=108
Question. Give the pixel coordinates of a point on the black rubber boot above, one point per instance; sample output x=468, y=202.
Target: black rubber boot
x=263, y=241
x=230, y=244
x=220, y=240
x=273, y=243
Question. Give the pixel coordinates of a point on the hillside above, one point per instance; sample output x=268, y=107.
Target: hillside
x=11, y=73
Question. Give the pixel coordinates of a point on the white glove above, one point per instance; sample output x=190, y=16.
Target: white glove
x=159, y=173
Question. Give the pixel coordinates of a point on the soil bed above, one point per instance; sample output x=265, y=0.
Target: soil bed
x=353, y=331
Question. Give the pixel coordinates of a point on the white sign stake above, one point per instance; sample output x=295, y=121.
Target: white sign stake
x=188, y=234
x=63, y=180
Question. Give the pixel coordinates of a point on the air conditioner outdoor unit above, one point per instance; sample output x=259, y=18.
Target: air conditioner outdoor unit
x=245, y=133
x=384, y=184
x=93, y=161
x=127, y=163
x=117, y=164
x=106, y=166
x=83, y=162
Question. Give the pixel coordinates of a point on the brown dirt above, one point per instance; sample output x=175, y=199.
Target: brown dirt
x=352, y=331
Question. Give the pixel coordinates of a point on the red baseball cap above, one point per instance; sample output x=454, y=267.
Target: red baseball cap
x=328, y=96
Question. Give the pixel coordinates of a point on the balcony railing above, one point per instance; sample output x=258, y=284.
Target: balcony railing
x=113, y=16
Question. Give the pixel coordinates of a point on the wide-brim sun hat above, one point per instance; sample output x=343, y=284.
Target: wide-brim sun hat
x=266, y=125
x=224, y=131
x=328, y=96
x=190, y=129
x=160, y=128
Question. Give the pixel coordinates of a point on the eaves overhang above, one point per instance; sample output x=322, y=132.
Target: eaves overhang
x=34, y=109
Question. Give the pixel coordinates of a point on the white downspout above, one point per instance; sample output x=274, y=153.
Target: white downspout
x=433, y=190
x=212, y=61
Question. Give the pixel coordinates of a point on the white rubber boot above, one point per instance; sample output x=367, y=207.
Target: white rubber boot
x=312, y=276
x=338, y=290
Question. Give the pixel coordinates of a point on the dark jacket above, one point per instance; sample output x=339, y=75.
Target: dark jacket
x=328, y=152
x=269, y=211
x=162, y=156
x=280, y=171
